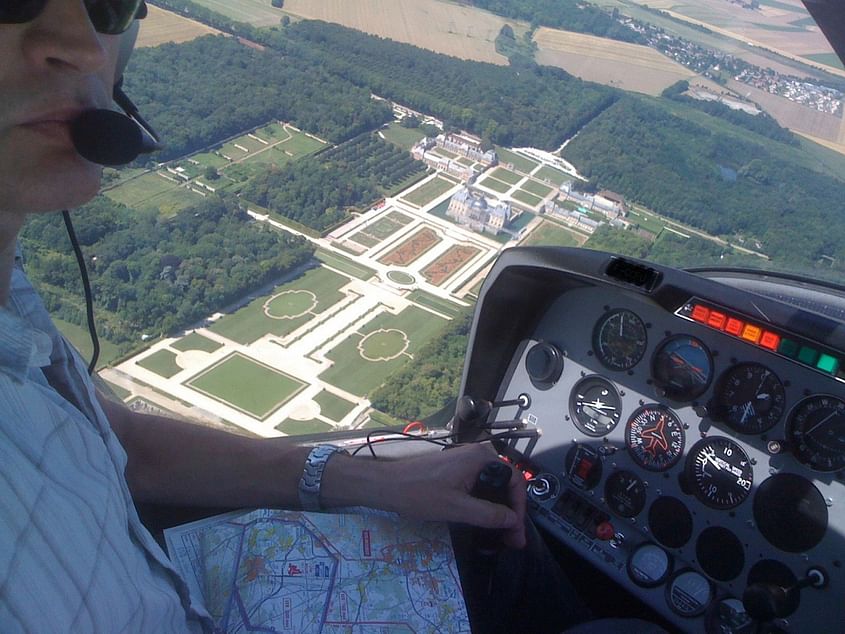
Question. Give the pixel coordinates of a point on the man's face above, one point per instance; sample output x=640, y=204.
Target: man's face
x=51, y=69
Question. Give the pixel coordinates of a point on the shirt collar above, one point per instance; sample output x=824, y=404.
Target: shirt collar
x=21, y=346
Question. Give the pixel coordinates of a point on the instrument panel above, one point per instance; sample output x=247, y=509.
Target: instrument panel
x=699, y=469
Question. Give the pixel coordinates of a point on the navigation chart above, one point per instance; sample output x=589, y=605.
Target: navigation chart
x=287, y=571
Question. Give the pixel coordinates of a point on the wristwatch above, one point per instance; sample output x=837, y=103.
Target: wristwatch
x=312, y=476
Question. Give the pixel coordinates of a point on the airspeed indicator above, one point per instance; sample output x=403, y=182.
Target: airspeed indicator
x=719, y=472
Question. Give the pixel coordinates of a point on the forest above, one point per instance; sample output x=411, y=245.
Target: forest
x=434, y=378
x=715, y=179
x=152, y=275
x=199, y=93
x=319, y=191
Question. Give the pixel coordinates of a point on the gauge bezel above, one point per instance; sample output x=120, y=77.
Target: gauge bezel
x=622, y=473
x=670, y=565
x=691, y=472
x=685, y=394
x=670, y=583
x=719, y=400
x=790, y=433
x=598, y=349
x=631, y=452
x=573, y=409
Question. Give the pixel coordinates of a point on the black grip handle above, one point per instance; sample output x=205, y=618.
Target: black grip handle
x=491, y=485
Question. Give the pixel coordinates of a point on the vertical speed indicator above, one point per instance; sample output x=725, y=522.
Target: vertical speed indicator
x=619, y=339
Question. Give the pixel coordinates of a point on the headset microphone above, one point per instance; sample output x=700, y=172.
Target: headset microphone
x=107, y=137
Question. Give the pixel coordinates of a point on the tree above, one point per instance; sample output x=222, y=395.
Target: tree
x=285, y=20
x=211, y=173
x=278, y=4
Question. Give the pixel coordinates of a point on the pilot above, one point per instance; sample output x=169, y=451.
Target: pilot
x=74, y=555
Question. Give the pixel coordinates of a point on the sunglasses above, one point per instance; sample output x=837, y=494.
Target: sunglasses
x=109, y=17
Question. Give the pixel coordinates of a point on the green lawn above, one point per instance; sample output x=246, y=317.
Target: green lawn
x=342, y=263
x=647, y=221
x=495, y=185
x=364, y=239
x=80, y=338
x=443, y=306
x=398, y=216
x=444, y=152
x=536, y=188
x=524, y=197
x=162, y=362
x=353, y=373
x=143, y=191
x=209, y=159
x=550, y=234
x=506, y=176
x=251, y=323
x=383, y=228
x=424, y=194
x=403, y=137
x=553, y=175
x=332, y=406
x=519, y=162
x=196, y=341
x=293, y=427
x=247, y=385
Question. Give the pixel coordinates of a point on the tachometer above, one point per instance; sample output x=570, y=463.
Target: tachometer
x=655, y=437
x=750, y=398
x=595, y=406
x=683, y=367
x=619, y=339
x=817, y=431
x=624, y=493
x=719, y=472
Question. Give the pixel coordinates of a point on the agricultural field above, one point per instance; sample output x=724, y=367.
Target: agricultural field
x=780, y=25
x=254, y=12
x=412, y=248
x=450, y=29
x=427, y=192
x=552, y=234
x=247, y=385
x=162, y=26
x=364, y=360
x=609, y=62
x=288, y=307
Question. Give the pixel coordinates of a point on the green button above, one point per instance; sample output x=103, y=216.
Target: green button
x=828, y=364
x=788, y=348
x=808, y=355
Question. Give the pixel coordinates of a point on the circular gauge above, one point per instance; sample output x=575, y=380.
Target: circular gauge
x=624, y=493
x=649, y=565
x=583, y=466
x=595, y=406
x=750, y=398
x=689, y=593
x=655, y=437
x=619, y=339
x=790, y=512
x=719, y=472
x=683, y=367
x=817, y=431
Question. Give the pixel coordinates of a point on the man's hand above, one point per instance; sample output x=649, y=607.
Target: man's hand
x=436, y=486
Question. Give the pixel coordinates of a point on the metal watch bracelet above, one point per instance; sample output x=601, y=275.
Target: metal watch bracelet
x=312, y=476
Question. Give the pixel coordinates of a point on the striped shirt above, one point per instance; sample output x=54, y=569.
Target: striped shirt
x=74, y=556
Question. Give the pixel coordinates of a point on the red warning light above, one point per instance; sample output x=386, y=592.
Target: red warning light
x=717, y=320
x=770, y=340
x=700, y=313
x=734, y=326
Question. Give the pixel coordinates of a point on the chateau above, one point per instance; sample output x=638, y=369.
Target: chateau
x=464, y=145
x=472, y=209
